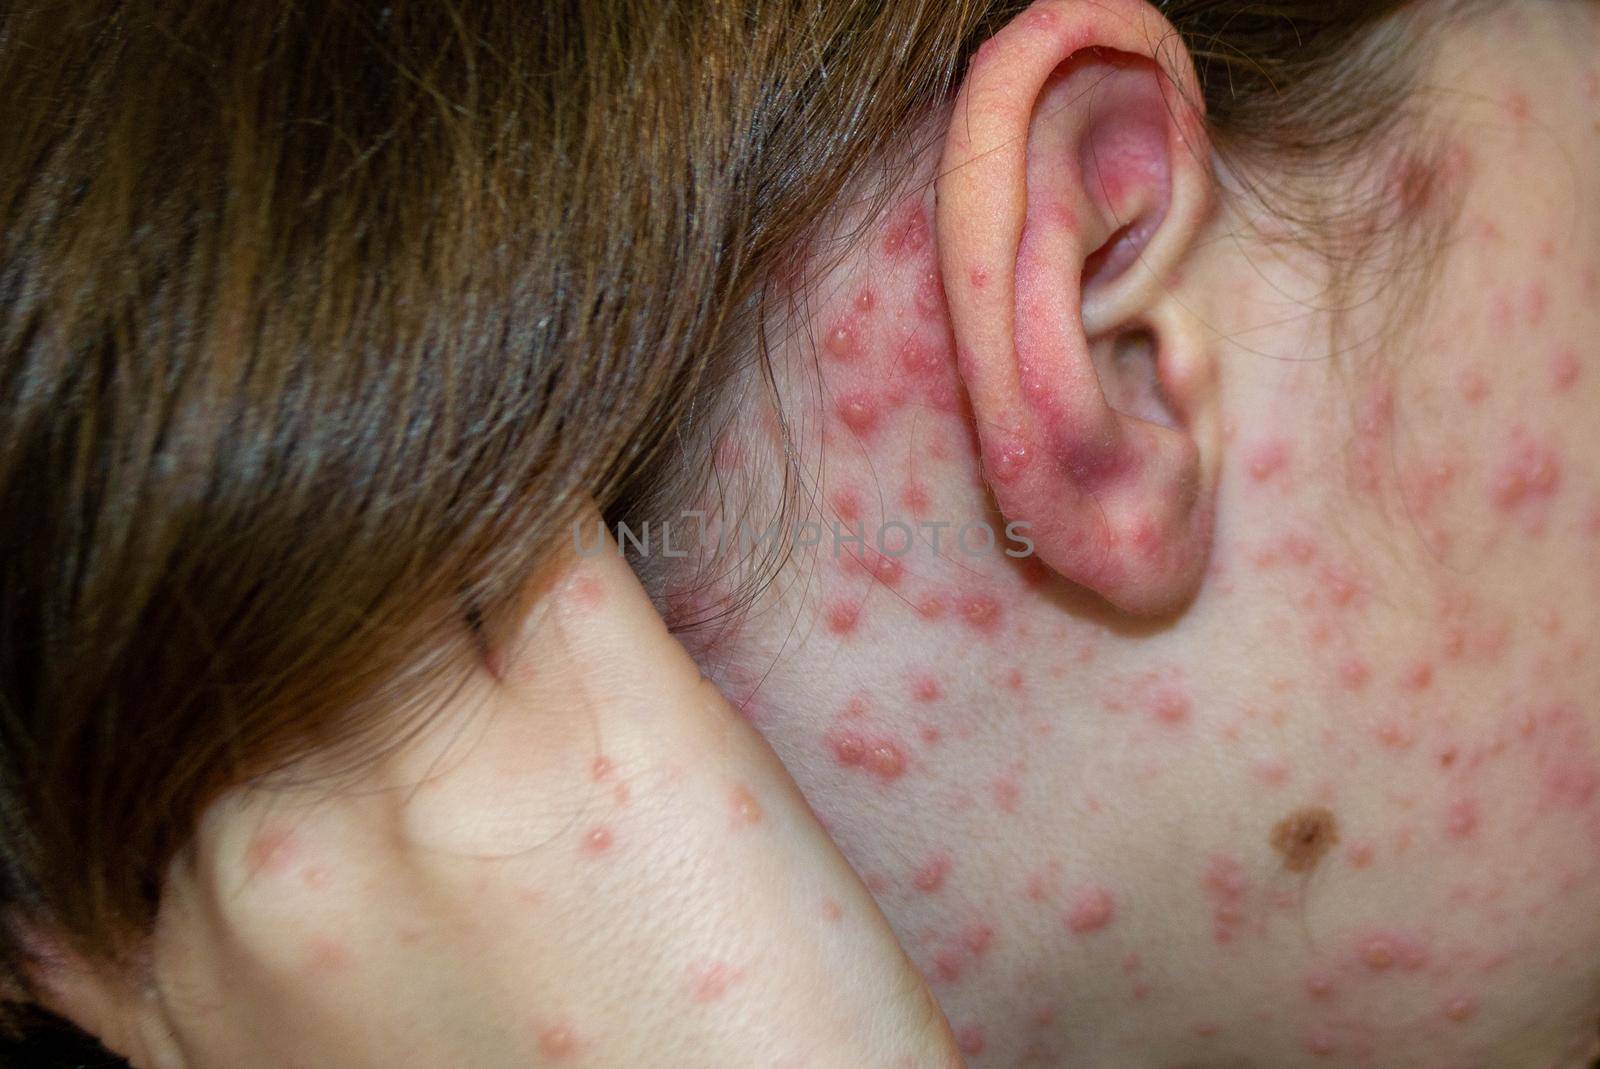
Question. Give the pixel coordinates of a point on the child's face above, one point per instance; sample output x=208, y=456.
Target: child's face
x=1345, y=807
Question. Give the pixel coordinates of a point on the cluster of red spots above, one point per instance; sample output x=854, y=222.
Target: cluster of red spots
x=967, y=949
x=929, y=297
x=1373, y=426
x=930, y=875
x=744, y=806
x=598, y=840
x=1091, y=910
x=1385, y=951
x=1267, y=459
x=1225, y=886
x=1461, y=819
x=906, y=231
x=1565, y=370
x=709, y=981
x=880, y=757
x=558, y=1041
x=1563, y=749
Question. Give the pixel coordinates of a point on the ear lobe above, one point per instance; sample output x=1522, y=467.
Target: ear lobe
x=1075, y=180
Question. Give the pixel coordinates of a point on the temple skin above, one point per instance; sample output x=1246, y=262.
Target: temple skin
x=1341, y=805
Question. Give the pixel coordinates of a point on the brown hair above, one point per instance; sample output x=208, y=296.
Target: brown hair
x=318, y=322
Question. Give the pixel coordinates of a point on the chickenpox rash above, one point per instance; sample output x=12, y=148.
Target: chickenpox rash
x=925, y=688
x=1461, y=819
x=930, y=875
x=1381, y=952
x=843, y=341
x=744, y=806
x=879, y=757
x=842, y=617
x=1091, y=910
x=1461, y=1009
x=558, y=1042
x=1565, y=370
x=1304, y=837
x=1225, y=886
x=710, y=980
x=1170, y=705
x=1267, y=459
x=860, y=412
x=1011, y=459
x=272, y=852
x=971, y=1039
x=980, y=612
x=1529, y=474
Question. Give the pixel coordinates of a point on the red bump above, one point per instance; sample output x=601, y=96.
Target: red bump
x=710, y=980
x=1461, y=1009
x=1354, y=673
x=745, y=806
x=1170, y=705
x=978, y=276
x=1531, y=472
x=1461, y=819
x=926, y=689
x=929, y=877
x=598, y=841
x=970, y=1038
x=843, y=341
x=843, y=617
x=859, y=412
x=558, y=1042
x=1092, y=909
x=878, y=757
x=272, y=851
x=1010, y=461
x=1268, y=459
x=980, y=612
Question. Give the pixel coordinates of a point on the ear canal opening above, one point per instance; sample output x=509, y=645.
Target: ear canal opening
x=1129, y=367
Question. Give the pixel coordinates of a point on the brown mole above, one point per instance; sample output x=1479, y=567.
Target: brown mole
x=1304, y=836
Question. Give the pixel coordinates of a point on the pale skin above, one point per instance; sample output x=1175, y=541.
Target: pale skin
x=1282, y=749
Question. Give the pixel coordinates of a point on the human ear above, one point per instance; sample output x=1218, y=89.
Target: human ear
x=1075, y=182
x=109, y=1003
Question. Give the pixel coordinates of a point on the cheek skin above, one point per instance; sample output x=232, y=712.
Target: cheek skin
x=1346, y=811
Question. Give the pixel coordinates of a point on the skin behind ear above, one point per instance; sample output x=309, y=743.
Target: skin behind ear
x=1074, y=182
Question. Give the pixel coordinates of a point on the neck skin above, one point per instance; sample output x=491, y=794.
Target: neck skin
x=1344, y=807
